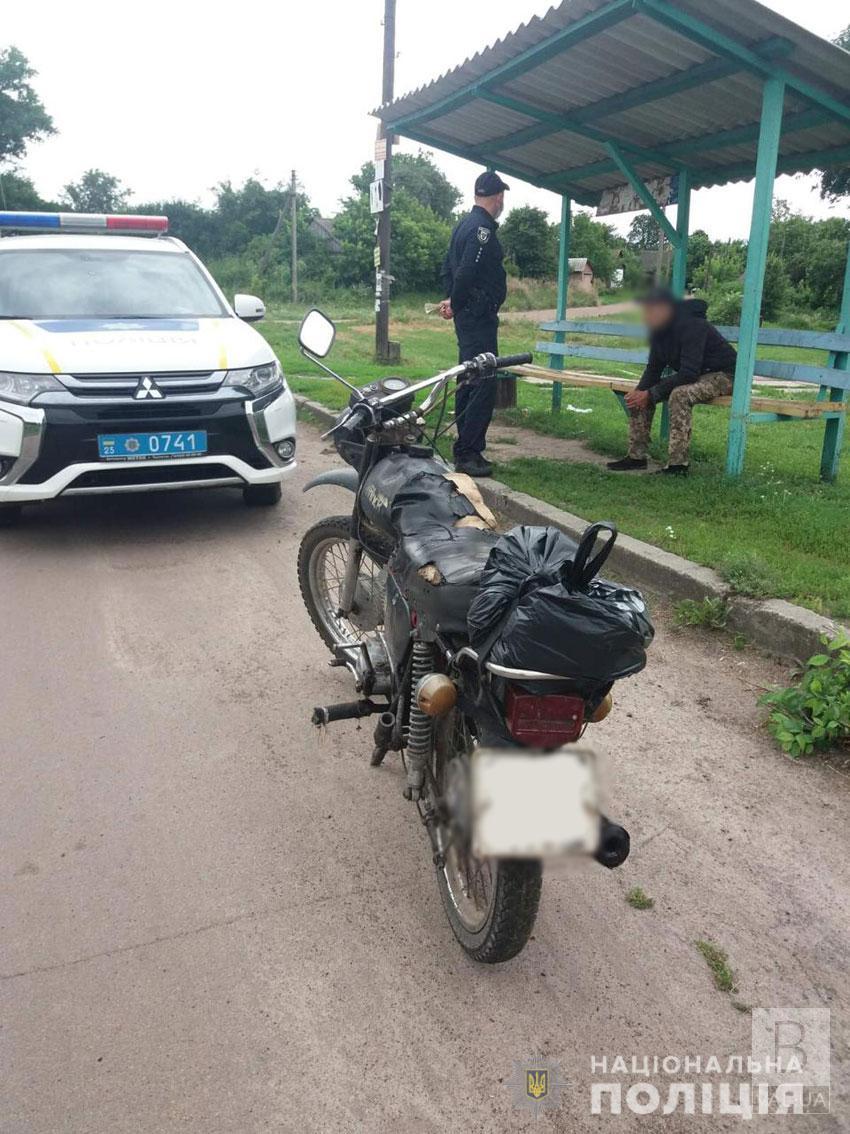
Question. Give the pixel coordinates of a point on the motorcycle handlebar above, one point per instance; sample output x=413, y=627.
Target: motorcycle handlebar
x=503, y=362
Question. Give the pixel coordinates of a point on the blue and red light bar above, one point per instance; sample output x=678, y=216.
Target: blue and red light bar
x=82, y=222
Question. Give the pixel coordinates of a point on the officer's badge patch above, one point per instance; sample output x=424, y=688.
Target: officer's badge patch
x=483, y=234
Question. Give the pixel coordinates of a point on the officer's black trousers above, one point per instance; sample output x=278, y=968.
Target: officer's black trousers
x=475, y=401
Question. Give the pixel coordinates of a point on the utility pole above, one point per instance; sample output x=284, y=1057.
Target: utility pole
x=293, y=219
x=385, y=351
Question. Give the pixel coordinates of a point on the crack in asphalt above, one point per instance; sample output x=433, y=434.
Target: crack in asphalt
x=224, y=923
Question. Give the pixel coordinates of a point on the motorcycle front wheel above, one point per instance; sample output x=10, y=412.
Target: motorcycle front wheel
x=491, y=903
x=322, y=557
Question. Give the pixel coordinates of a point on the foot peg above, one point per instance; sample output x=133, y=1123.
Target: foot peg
x=346, y=711
x=383, y=738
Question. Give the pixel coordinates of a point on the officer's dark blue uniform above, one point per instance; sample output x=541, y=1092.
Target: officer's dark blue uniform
x=474, y=280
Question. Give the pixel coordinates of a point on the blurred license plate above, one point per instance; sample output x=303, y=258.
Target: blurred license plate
x=534, y=804
x=130, y=446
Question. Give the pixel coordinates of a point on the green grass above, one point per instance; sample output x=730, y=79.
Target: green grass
x=639, y=900
x=718, y=962
x=775, y=532
x=711, y=613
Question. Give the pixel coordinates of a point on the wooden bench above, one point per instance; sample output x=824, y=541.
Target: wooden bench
x=833, y=380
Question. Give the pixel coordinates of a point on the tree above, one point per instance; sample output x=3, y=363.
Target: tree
x=417, y=175
x=644, y=233
x=598, y=242
x=23, y=118
x=699, y=250
x=420, y=240
x=18, y=192
x=96, y=192
x=527, y=238
x=835, y=183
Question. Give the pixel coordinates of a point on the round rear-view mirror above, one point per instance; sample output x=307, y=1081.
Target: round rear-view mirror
x=317, y=333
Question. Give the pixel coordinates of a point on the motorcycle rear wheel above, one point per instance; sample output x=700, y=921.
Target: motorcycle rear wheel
x=321, y=567
x=491, y=904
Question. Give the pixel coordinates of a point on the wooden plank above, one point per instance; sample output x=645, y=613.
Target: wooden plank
x=797, y=372
x=813, y=340
x=785, y=407
x=596, y=327
x=776, y=336
x=606, y=354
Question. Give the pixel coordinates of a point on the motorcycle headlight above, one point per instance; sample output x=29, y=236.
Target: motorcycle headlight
x=23, y=388
x=257, y=380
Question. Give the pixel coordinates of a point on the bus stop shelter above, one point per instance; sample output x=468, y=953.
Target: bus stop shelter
x=598, y=94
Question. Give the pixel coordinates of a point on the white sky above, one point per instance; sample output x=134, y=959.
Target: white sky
x=214, y=91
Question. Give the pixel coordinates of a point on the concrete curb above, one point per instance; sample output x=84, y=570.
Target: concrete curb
x=779, y=627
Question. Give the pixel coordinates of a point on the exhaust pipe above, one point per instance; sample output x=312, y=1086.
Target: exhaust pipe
x=614, y=844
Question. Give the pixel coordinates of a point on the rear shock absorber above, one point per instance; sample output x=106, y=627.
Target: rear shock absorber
x=420, y=733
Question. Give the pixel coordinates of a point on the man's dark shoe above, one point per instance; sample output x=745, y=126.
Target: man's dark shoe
x=474, y=466
x=674, y=470
x=627, y=464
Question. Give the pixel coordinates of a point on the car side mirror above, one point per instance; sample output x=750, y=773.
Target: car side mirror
x=317, y=333
x=249, y=308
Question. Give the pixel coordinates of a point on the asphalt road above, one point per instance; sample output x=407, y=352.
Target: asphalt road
x=215, y=920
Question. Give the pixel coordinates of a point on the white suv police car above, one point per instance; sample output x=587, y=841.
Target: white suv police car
x=123, y=368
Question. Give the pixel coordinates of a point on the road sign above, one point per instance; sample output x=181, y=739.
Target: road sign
x=624, y=199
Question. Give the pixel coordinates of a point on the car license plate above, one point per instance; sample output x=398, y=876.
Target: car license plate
x=137, y=446
x=534, y=804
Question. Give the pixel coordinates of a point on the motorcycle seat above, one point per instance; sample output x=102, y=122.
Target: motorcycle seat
x=439, y=571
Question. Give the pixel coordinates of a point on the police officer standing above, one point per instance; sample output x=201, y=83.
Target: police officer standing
x=475, y=284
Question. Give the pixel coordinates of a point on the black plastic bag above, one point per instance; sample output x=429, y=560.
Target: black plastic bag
x=540, y=607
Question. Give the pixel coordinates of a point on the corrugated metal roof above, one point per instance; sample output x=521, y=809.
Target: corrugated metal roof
x=489, y=110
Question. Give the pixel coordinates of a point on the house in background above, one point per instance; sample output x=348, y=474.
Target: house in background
x=323, y=227
x=581, y=271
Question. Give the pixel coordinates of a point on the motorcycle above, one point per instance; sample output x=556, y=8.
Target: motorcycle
x=491, y=751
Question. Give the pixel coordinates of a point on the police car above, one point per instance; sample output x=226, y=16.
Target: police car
x=123, y=368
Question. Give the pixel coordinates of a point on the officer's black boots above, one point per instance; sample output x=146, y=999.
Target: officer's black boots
x=474, y=466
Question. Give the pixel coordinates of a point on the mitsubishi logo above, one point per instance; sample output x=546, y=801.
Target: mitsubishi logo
x=147, y=388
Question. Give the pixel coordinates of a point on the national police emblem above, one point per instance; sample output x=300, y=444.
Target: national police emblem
x=483, y=234
x=536, y=1084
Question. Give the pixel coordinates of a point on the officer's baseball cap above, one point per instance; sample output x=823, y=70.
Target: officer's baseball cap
x=488, y=184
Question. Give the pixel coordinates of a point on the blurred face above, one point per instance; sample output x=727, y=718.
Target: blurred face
x=494, y=205
x=657, y=315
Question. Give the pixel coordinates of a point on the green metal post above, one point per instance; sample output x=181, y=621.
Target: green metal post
x=834, y=434
x=768, y=149
x=683, y=217
x=556, y=361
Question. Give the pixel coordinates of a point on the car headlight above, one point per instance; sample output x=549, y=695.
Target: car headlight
x=23, y=388
x=258, y=379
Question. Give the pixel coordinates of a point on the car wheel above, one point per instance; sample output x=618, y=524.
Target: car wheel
x=10, y=514
x=263, y=495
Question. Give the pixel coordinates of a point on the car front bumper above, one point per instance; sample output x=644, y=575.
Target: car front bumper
x=51, y=450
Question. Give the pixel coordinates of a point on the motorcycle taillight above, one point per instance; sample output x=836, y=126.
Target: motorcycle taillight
x=543, y=721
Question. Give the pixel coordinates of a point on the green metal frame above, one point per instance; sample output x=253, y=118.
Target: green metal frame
x=556, y=361
x=839, y=360
x=773, y=99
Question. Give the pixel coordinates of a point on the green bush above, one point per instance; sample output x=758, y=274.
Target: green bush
x=724, y=304
x=814, y=713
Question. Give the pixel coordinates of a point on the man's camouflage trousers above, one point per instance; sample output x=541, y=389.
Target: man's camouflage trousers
x=682, y=401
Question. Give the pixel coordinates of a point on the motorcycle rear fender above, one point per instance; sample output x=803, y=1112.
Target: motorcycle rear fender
x=344, y=478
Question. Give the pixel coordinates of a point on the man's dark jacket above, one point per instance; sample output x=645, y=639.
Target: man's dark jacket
x=473, y=274
x=688, y=345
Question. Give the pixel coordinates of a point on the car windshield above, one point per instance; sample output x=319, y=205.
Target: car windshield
x=66, y=283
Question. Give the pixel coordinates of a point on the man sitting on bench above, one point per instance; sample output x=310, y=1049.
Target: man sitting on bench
x=703, y=365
